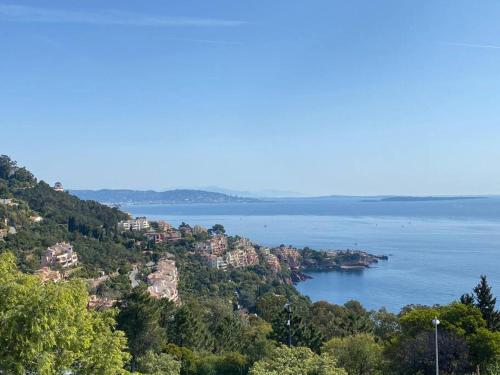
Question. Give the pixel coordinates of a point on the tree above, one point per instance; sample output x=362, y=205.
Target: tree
x=359, y=354
x=217, y=229
x=357, y=319
x=231, y=363
x=485, y=347
x=139, y=317
x=47, y=328
x=188, y=329
x=329, y=319
x=486, y=303
x=303, y=332
x=385, y=324
x=227, y=334
x=296, y=361
x=158, y=364
x=464, y=341
x=255, y=342
x=467, y=299
x=415, y=355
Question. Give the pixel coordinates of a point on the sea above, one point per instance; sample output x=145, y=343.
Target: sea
x=437, y=249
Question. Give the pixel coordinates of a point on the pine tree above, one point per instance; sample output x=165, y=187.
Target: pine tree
x=139, y=317
x=467, y=299
x=303, y=332
x=485, y=301
x=189, y=330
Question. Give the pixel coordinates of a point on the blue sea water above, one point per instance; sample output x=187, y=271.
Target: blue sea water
x=437, y=249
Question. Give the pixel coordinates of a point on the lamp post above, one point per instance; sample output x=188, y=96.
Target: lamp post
x=288, y=308
x=436, y=322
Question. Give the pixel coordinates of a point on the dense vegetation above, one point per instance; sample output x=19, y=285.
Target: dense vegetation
x=229, y=322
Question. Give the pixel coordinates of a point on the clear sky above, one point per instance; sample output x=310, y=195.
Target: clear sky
x=320, y=97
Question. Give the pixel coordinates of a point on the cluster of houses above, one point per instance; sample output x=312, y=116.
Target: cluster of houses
x=163, y=281
x=271, y=260
x=165, y=233
x=288, y=255
x=216, y=254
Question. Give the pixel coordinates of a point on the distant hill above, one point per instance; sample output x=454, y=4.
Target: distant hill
x=269, y=193
x=150, y=196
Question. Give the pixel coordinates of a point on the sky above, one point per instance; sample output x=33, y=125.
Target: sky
x=317, y=97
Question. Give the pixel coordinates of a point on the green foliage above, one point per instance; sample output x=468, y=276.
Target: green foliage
x=466, y=342
x=296, y=361
x=493, y=369
x=303, y=332
x=88, y=225
x=338, y=321
x=231, y=363
x=158, y=364
x=255, y=342
x=486, y=304
x=189, y=329
x=217, y=229
x=13, y=177
x=385, y=324
x=139, y=318
x=415, y=354
x=359, y=354
x=47, y=329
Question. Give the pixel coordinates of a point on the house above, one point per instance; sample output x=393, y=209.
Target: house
x=215, y=261
x=236, y=258
x=139, y=223
x=36, y=218
x=198, y=229
x=186, y=230
x=155, y=237
x=7, y=202
x=163, y=226
x=216, y=245
x=58, y=186
x=172, y=235
x=61, y=254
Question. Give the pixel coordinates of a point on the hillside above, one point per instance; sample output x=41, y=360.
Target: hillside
x=193, y=300
x=89, y=225
x=150, y=196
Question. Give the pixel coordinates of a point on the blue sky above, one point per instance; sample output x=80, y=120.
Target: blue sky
x=318, y=97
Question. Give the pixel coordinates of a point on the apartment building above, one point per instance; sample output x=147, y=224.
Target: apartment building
x=216, y=245
x=62, y=254
x=139, y=223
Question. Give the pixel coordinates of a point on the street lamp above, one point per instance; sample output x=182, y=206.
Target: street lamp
x=436, y=322
x=288, y=308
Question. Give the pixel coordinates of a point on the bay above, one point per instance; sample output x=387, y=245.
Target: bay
x=437, y=249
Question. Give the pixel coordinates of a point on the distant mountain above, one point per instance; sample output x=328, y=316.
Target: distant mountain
x=150, y=196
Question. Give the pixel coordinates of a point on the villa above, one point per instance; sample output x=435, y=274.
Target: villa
x=61, y=254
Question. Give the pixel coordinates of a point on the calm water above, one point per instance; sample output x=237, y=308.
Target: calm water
x=437, y=249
